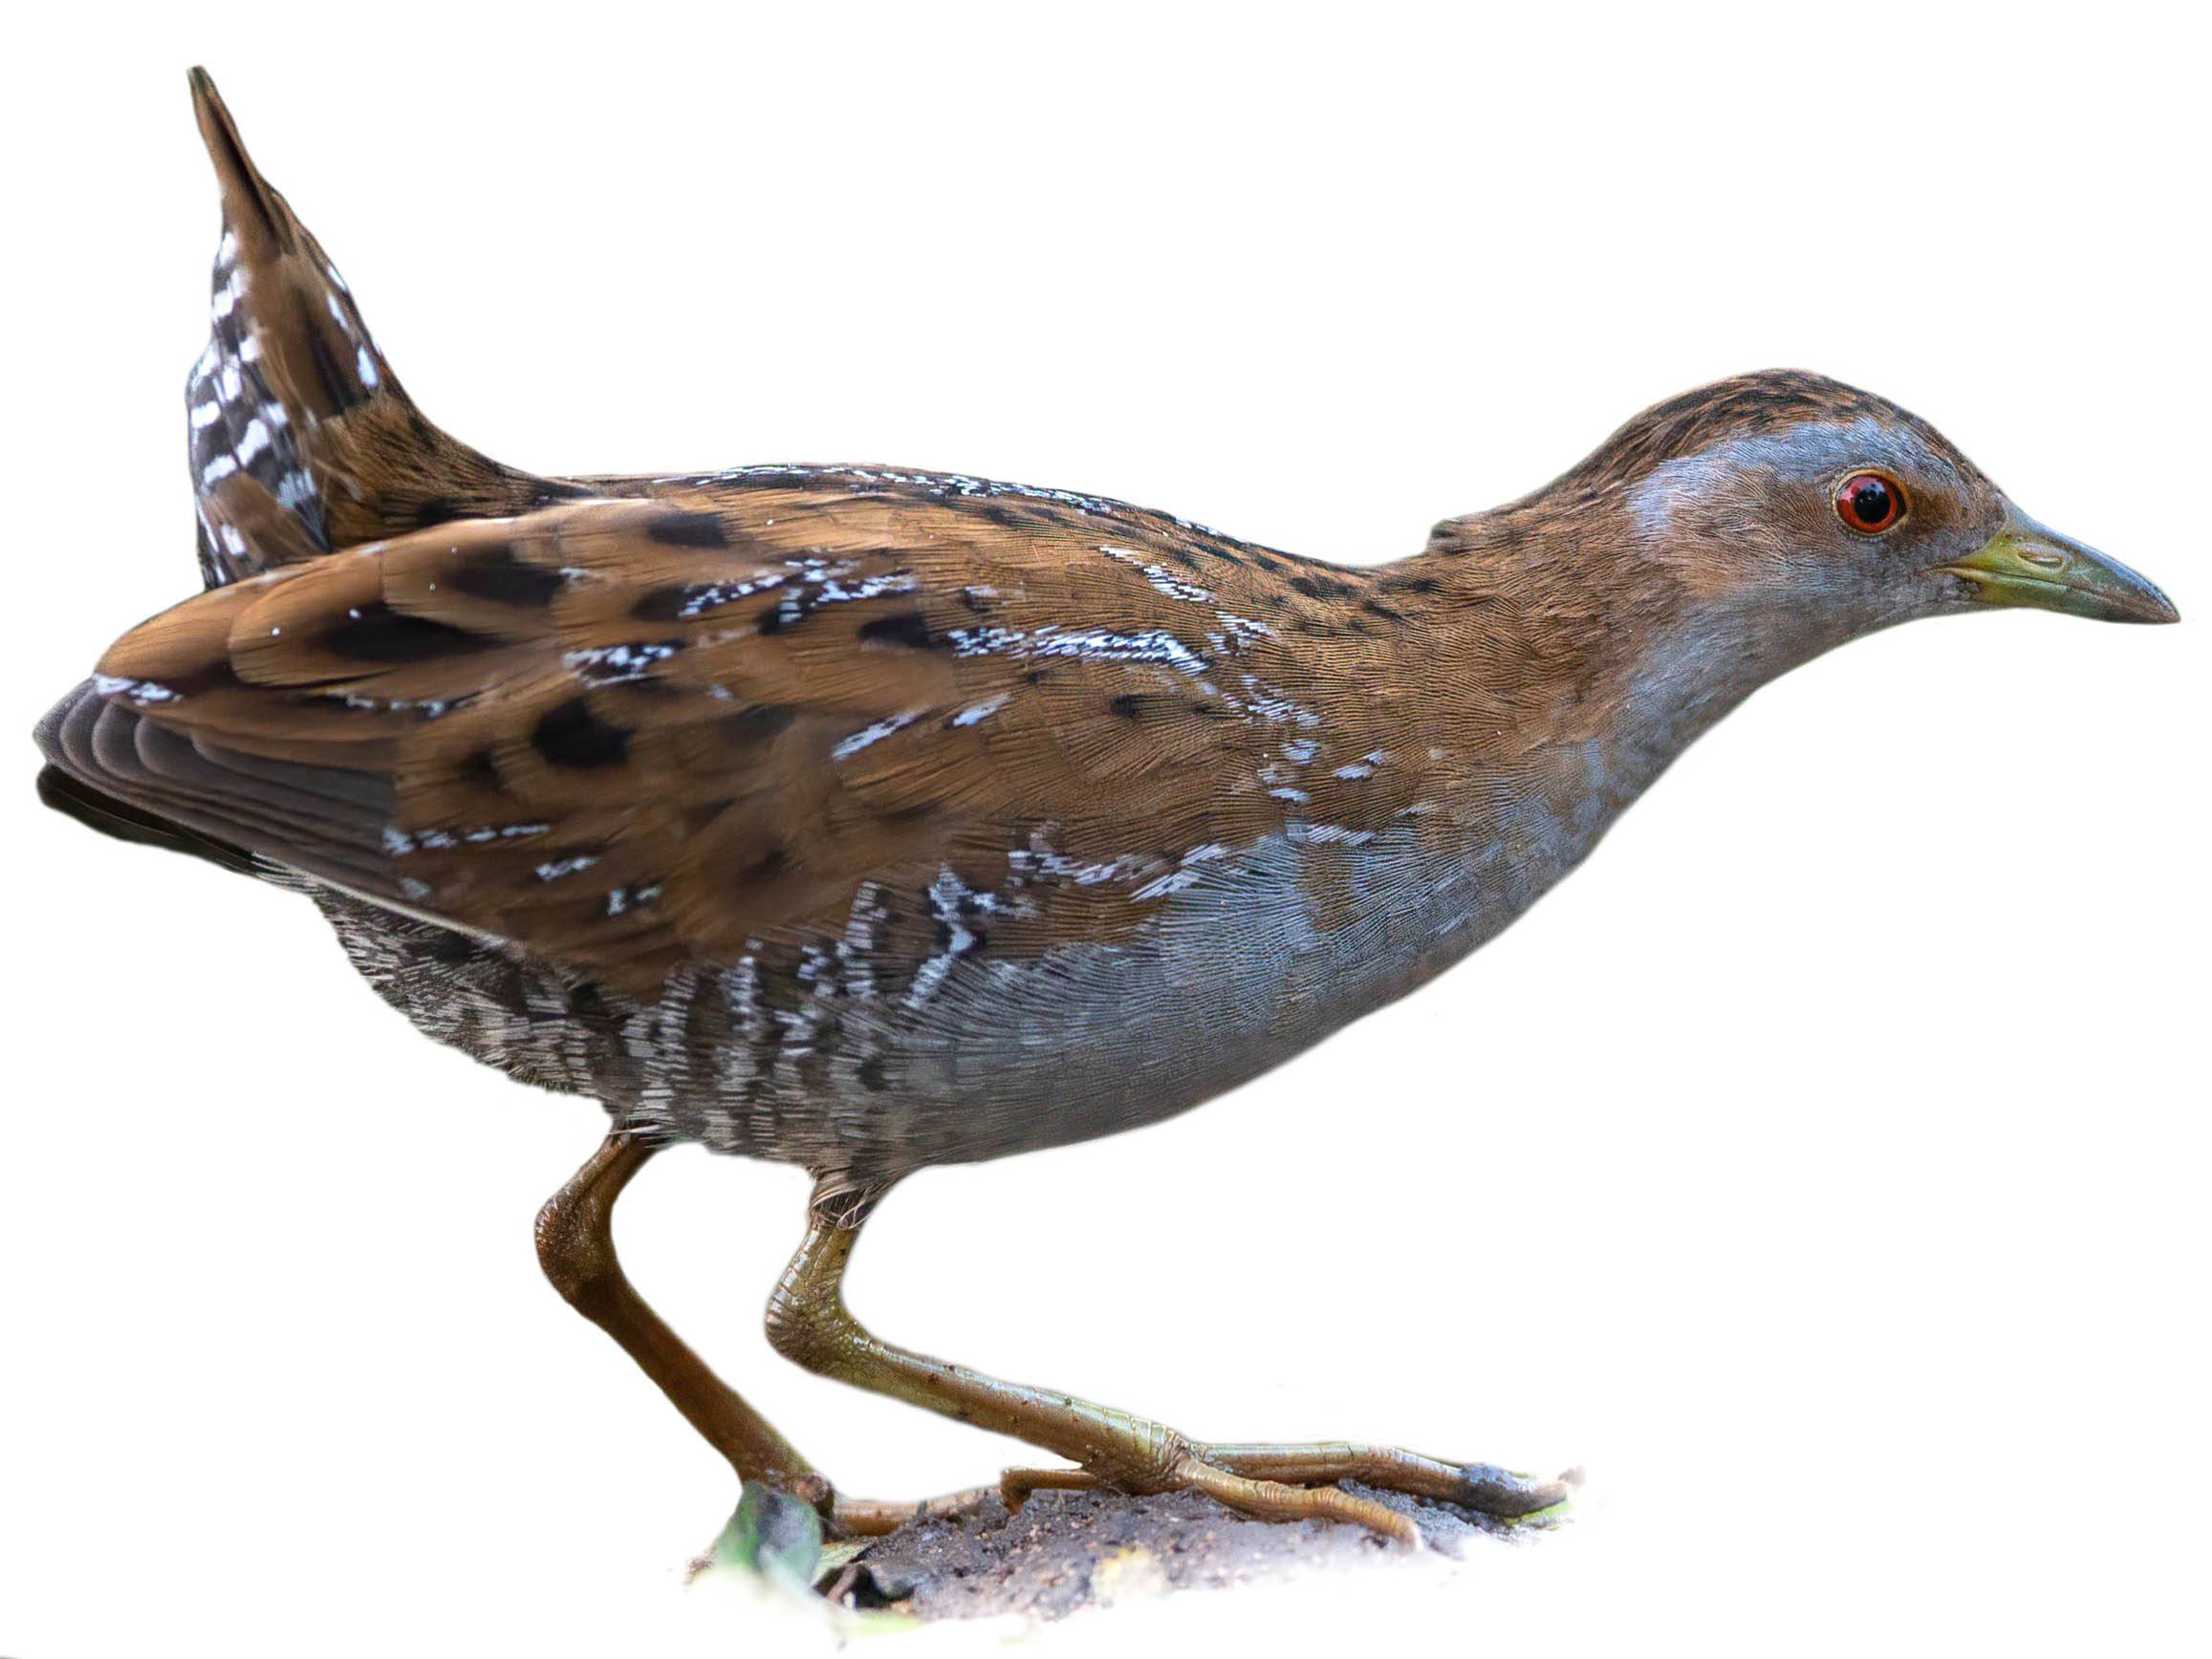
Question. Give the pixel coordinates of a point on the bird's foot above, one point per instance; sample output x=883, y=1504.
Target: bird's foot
x=809, y=1324
x=1297, y=1482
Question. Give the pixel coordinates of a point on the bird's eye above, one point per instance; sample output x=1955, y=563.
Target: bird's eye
x=1869, y=502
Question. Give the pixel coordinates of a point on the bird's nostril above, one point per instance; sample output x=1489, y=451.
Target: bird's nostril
x=2043, y=558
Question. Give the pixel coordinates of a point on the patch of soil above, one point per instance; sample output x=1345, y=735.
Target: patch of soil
x=1064, y=1551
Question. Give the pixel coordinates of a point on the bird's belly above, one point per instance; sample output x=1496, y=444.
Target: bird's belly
x=874, y=1068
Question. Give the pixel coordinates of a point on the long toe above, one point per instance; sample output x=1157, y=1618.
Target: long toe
x=1274, y=1501
x=876, y=1517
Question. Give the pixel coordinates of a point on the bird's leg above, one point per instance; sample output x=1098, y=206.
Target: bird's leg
x=575, y=1245
x=808, y=1322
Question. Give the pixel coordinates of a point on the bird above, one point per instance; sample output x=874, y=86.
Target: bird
x=866, y=819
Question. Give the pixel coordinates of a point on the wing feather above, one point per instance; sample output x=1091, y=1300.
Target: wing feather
x=626, y=734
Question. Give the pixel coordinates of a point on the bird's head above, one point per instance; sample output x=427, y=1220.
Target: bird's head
x=1790, y=495
x=1727, y=535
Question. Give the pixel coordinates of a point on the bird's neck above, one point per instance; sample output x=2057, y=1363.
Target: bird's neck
x=1571, y=663
x=1557, y=615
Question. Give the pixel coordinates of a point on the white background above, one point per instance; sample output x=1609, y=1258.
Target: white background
x=1823, y=1166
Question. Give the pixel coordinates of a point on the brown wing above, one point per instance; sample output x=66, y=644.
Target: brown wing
x=628, y=733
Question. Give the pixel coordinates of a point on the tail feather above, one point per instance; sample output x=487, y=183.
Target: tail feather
x=302, y=439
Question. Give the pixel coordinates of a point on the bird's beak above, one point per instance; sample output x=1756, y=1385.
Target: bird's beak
x=2024, y=563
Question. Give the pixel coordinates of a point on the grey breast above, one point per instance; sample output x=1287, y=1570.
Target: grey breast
x=821, y=1052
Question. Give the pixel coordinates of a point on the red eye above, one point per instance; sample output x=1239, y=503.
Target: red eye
x=1870, y=502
